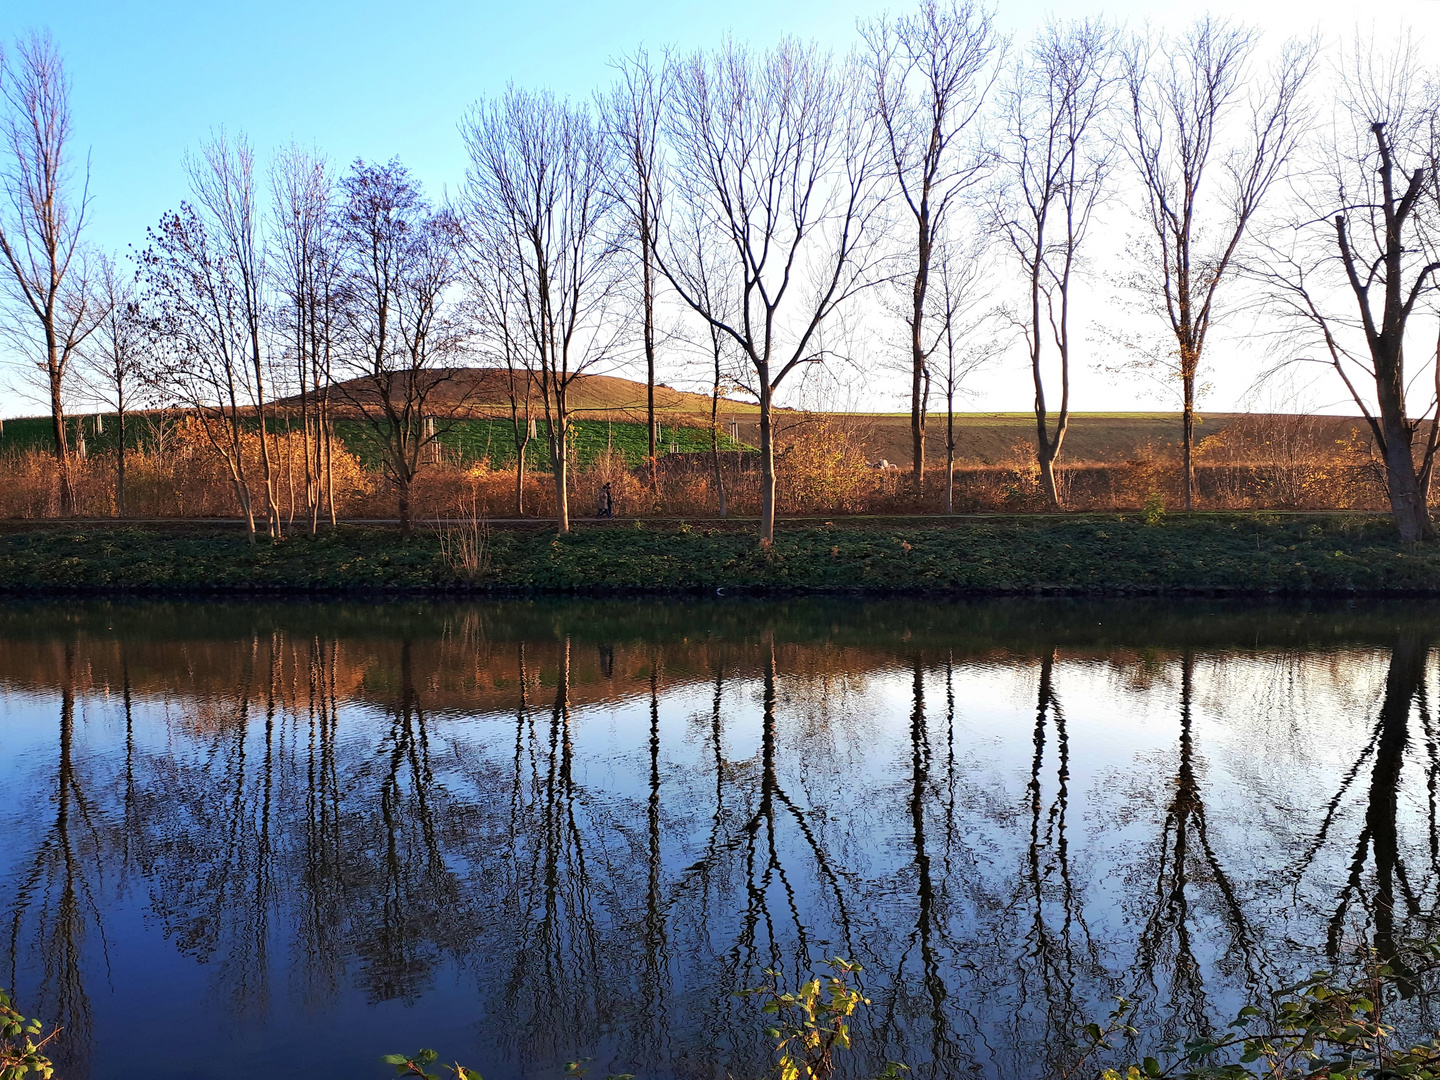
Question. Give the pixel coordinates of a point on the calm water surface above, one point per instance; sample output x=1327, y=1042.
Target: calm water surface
x=283, y=840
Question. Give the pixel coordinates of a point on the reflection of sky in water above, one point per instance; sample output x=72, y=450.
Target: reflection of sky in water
x=275, y=894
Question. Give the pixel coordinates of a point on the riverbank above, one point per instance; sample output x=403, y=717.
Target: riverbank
x=1094, y=554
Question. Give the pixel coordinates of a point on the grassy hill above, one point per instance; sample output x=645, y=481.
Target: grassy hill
x=610, y=412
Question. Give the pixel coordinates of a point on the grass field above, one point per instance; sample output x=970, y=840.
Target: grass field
x=983, y=438
x=1243, y=553
x=493, y=439
x=470, y=439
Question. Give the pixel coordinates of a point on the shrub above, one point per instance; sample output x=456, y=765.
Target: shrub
x=1322, y=1027
x=21, y=1054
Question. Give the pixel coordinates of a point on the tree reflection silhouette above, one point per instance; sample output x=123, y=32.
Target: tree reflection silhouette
x=1185, y=861
x=54, y=903
x=930, y=935
x=1058, y=944
x=1379, y=835
x=553, y=989
x=418, y=901
x=512, y=831
x=321, y=909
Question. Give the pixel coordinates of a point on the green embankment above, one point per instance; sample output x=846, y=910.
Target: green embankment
x=1243, y=553
x=473, y=440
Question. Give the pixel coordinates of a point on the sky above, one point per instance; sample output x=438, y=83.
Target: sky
x=363, y=78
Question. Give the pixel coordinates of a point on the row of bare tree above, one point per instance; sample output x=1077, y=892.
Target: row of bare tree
x=768, y=200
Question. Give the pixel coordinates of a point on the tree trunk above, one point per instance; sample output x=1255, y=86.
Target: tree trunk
x=767, y=465
x=1407, y=501
x=715, y=438
x=1047, y=473
x=407, y=523
x=315, y=464
x=272, y=506
x=312, y=484
x=1046, y=449
x=289, y=474
x=1189, y=440
x=917, y=419
x=329, y=462
x=648, y=300
x=62, y=449
x=1408, y=496
x=120, y=466
x=650, y=387
x=719, y=471
x=950, y=453
x=558, y=460
x=242, y=494
x=520, y=479
x=918, y=389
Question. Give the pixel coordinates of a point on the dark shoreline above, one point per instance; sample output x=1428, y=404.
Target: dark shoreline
x=1254, y=556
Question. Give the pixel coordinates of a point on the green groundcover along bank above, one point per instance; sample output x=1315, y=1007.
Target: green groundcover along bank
x=1250, y=553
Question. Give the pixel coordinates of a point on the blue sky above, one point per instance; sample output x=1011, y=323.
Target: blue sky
x=370, y=79
x=356, y=79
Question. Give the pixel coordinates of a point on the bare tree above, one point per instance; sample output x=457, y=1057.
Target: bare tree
x=1195, y=110
x=931, y=72
x=117, y=362
x=960, y=308
x=400, y=263
x=1057, y=162
x=631, y=114
x=1343, y=277
x=716, y=294
x=501, y=338
x=306, y=270
x=47, y=279
x=780, y=170
x=194, y=301
x=223, y=182
x=537, y=183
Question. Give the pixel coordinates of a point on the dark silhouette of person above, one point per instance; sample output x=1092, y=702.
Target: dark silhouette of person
x=607, y=503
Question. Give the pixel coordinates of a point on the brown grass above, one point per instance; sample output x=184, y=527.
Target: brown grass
x=1261, y=462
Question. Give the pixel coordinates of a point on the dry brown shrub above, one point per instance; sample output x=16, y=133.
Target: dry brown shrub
x=629, y=488
x=175, y=472
x=1283, y=461
x=822, y=467
x=1256, y=462
x=440, y=487
x=1154, y=470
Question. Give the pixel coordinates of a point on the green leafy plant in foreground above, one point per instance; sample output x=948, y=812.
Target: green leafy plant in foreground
x=1153, y=512
x=813, y=1022
x=21, y=1054
x=1319, y=1029
x=416, y=1064
x=809, y=1026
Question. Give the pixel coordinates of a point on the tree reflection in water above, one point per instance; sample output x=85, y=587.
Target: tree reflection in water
x=1186, y=862
x=1058, y=945
x=54, y=900
x=1379, y=839
x=575, y=838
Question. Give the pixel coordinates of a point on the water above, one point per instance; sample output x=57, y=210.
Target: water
x=243, y=840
